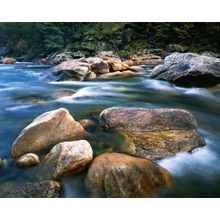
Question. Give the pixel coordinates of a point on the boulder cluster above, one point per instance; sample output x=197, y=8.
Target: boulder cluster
x=60, y=146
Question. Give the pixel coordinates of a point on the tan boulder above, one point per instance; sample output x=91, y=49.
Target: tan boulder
x=28, y=160
x=116, y=65
x=98, y=65
x=153, y=133
x=115, y=175
x=67, y=158
x=8, y=60
x=46, y=131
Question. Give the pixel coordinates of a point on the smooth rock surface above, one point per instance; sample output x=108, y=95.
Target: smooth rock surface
x=67, y=158
x=46, y=131
x=153, y=133
x=28, y=160
x=8, y=60
x=115, y=175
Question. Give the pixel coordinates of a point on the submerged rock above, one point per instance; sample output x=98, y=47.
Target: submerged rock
x=153, y=133
x=86, y=123
x=117, y=175
x=1, y=162
x=189, y=69
x=8, y=60
x=46, y=131
x=42, y=189
x=67, y=158
x=63, y=93
x=28, y=160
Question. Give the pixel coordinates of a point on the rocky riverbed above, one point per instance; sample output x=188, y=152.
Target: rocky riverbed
x=106, y=127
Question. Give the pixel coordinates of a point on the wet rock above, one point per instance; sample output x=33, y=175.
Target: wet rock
x=153, y=133
x=28, y=160
x=144, y=59
x=137, y=68
x=116, y=65
x=91, y=75
x=117, y=175
x=67, y=158
x=58, y=58
x=127, y=73
x=86, y=123
x=46, y=131
x=189, y=69
x=8, y=60
x=63, y=93
x=98, y=66
x=42, y=189
x=72, y=70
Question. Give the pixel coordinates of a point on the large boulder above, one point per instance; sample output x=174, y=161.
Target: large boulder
x=46, y=131
x=66, y=158
x=72, y=70
x=118, y=175
x=153, y=133
x=8, y=60
x=189, y=69
x=28, y=160
x=41, y=189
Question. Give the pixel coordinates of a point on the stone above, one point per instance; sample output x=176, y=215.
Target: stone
x=86, y=123
x=46, y=131
x=28, y=160
x=115, y=175
x=91, y=75
x=1, y=162
x=106, y=55
x=144, y=59
x=136, y=68
x=72, y=70
x=116, y=65
x=67, y=158
x=8, y=60
x=127, y=73
x=42, y=189
x=63, y=93
x=189, y=69
x=98, y=66
x=153, y=133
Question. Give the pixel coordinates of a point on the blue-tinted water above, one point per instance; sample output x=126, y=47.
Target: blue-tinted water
x=24, y=94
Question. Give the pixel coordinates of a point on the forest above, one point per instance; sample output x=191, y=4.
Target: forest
x=27, y=41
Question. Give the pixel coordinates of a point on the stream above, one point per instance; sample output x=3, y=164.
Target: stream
x=24, y=95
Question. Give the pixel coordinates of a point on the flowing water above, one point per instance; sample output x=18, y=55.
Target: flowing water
x=24, y=95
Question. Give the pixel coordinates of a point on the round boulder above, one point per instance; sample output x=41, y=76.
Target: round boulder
x=115, y=175
x=67, y=158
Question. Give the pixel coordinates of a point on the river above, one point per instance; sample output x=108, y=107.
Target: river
x=24, y=95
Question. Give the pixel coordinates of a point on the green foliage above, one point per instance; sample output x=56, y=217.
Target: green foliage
x=40, y=39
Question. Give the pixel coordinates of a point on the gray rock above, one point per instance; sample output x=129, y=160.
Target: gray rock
x=42, y=189
x=189, y=69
